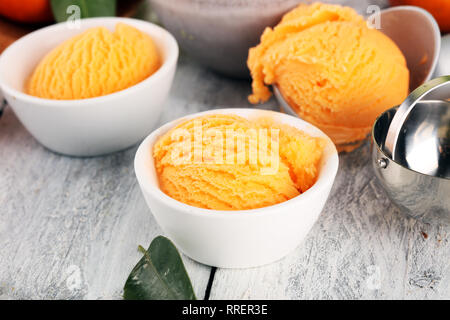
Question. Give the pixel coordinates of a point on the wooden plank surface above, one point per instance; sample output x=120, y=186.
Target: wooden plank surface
x=69, y=227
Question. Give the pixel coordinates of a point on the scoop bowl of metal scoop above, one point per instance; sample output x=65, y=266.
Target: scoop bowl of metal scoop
x=411, y=152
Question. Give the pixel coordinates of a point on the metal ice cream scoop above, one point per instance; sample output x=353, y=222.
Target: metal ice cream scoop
x=418, y=181
x=435, y=94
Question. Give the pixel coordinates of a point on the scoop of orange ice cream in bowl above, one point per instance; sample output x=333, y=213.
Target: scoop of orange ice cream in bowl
x=90, y=90
x=95, y=63
x=236, y=187
x=231, y=182
x=332, y=68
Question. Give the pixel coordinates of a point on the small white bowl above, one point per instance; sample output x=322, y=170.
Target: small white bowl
x=237, y=239
x=94, y=126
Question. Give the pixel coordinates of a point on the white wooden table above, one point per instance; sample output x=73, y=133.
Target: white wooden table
x=70, y=227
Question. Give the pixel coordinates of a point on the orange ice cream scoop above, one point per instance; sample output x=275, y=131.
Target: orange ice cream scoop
x=226, y=162
x=95, y=63
x=335, y=71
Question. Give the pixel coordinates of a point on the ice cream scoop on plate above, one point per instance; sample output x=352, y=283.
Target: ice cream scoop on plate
x=332, y=69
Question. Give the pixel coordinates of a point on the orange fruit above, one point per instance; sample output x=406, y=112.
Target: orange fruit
x=440, y=9
x=28, y=11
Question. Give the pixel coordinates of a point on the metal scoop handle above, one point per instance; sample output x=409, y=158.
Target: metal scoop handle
x=405, y=109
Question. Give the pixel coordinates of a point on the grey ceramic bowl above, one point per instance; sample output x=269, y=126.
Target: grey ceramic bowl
x=218, y=33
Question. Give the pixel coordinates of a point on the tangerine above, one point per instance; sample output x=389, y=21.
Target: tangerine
x=28, y=11
x=440, y=9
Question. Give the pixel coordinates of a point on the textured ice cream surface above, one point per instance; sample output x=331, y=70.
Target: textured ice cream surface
x=224, y=176
x=335, y=71
x=95, y=63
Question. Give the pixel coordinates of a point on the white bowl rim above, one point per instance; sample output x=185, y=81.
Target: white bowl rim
x=328, y=170
x=164, y=68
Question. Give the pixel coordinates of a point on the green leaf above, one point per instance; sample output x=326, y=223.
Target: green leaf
x=159, y=275
x=87, y=8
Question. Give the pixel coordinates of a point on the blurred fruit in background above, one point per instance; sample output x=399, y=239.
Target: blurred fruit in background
x=19, y=17
x=27, y=11
x=440, y=9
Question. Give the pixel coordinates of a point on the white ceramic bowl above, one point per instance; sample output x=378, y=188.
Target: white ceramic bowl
x=94, y=126
x=237, y=239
